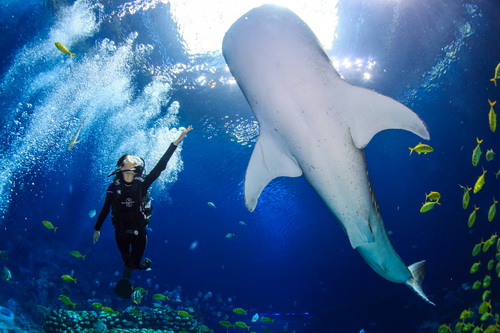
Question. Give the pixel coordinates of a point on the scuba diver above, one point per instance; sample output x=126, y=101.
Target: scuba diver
x=128, y=198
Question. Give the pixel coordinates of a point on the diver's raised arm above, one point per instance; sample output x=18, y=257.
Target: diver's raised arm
x=183, y=134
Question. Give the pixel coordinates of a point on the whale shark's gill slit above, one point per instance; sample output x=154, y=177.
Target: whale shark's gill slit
x=372, y=193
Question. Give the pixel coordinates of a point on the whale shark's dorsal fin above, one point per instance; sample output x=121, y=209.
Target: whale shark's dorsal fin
x=372, y=113
x=269, y=160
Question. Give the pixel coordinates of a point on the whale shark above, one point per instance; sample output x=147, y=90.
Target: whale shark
x=314, y=123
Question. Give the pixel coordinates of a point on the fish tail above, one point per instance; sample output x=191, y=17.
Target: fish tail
x=71, y=55
x=411, y=150
x=494, y=81
x=417, y=271
x=83, y=257
x=55, y=229
x=492, y=103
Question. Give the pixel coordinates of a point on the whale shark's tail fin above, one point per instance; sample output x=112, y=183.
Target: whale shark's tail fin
x=417, y=271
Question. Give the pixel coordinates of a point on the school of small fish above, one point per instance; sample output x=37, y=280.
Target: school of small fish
x=481, y=318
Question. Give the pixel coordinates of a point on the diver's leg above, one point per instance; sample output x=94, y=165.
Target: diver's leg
x=138, y=247
x=123, y=241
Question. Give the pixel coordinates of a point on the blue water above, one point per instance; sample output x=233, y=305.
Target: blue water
x=135, y=84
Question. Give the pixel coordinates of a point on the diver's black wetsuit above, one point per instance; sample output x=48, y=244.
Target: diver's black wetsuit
x=125, y=200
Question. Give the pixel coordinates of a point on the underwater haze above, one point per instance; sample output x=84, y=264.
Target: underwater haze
x=143, y=69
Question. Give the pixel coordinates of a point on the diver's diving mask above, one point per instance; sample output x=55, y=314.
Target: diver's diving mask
x=137, y=163
x=134, y=160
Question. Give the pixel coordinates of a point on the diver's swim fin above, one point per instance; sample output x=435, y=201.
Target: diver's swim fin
x=123, y=289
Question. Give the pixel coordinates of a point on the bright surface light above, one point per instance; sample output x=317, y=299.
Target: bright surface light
x=203, y=23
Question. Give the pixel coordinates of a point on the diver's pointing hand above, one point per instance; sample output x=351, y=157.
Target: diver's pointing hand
x=96, y=235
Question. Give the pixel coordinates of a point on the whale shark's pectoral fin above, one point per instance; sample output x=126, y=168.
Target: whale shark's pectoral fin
x=372, y=113
x=269, y=160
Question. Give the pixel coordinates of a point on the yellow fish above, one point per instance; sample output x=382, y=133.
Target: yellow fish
x=477, y=249
x=77, y=254
x=477, y=285
x=66, y=300
x=49, y=225
x=493, y=238
x=484, y=307
x=472, y=217
x=421, y=149
x=466, y=197
x=475, y=267
x=486, y=295
x=444, y=328
x=492, y=211
x=64, y=49
x=480, y=182
x=492, y=117
x=466, y=314
x=488, y=244
x=476, y=153
x=211, y=204
x=490, y=155
x=242, y=325
x=140, y=289
x=484, y=317
x=135, y=312
x=225, y=323
x=240, y=311
x=427, y=206
x=203, y=328
x=75, y=137
x=68, y=278
x=184, y=314
x=491, y=264
x=490, y=329
x=434, y=196
x=97, y=305
x=160, y=297
x=497, y=75
x=109, y=310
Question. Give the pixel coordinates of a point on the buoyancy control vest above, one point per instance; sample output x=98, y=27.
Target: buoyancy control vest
x=132, y=209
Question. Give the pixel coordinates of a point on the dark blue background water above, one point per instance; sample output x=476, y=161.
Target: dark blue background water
x=291, y=256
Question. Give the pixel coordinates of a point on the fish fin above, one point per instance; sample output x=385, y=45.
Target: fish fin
x=55, y=229
x=269, y=160
x=417, y=271
x=373, y=112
